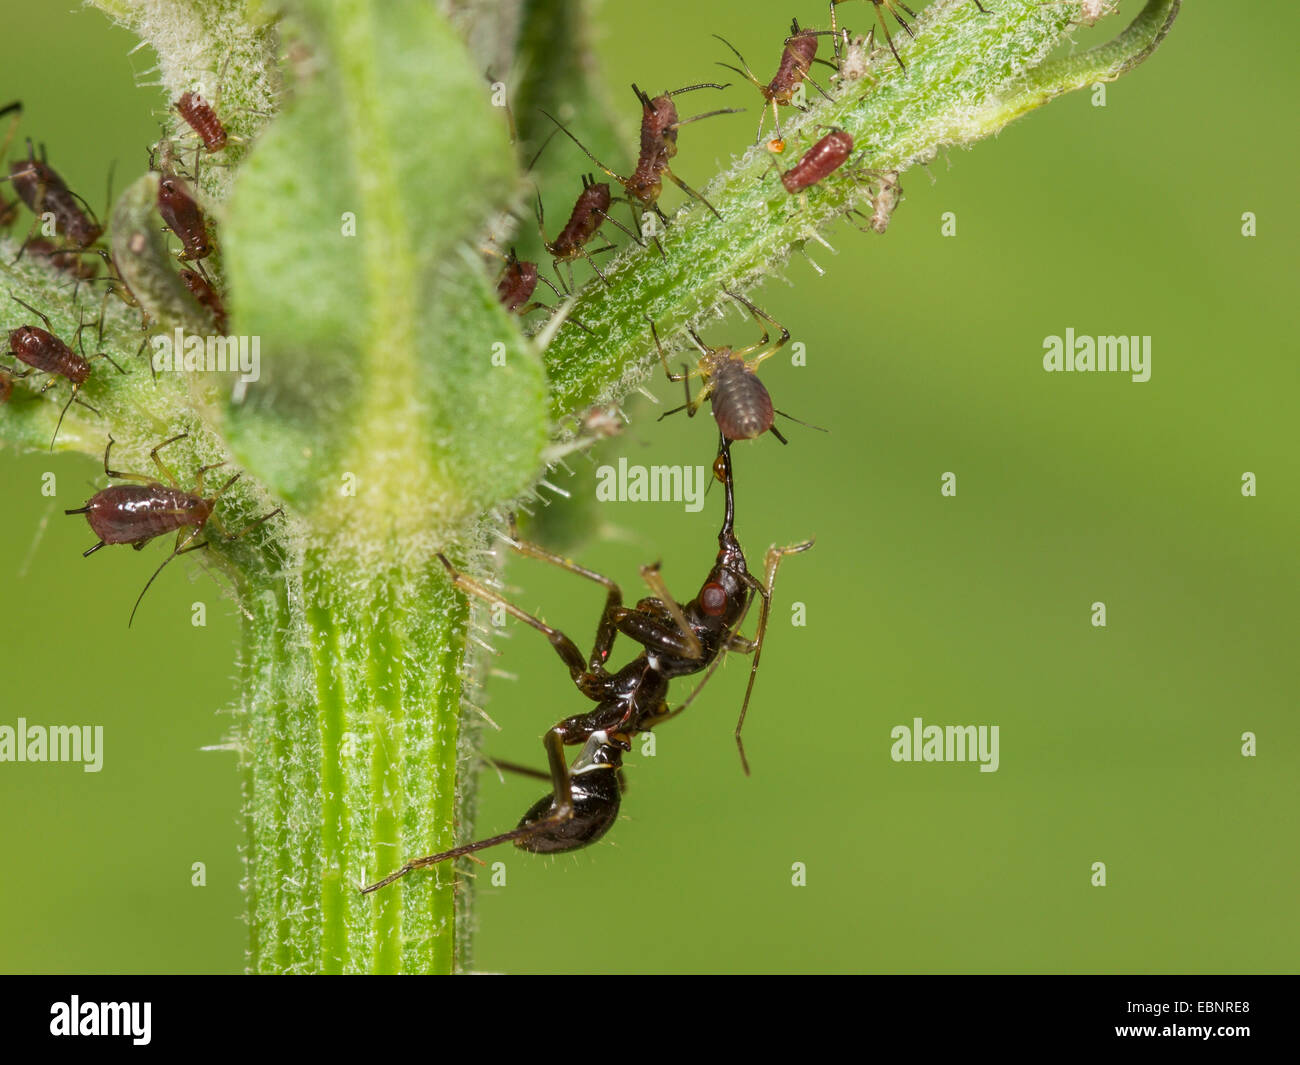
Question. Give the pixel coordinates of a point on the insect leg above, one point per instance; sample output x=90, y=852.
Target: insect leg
x=691, y=192
x=605, y=630
x=652, y=577
x=774, y=557
x=763, y=319
x=163, y=468
x=567, y=650
x=561, y=790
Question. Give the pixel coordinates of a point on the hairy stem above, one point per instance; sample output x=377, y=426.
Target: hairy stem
x=350, y=725
x=968, y=75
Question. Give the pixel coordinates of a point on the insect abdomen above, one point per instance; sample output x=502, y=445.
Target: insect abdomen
x=596, y=798
x=134, y=513
x=46, y=352
x=741, y=404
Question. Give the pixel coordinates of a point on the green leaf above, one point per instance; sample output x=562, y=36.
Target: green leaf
x=378, y=348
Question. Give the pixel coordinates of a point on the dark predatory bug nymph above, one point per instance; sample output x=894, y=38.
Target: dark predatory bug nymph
x=676, y=641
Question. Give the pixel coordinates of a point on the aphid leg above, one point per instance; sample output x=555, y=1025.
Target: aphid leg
x=163, y=468
x=202, y=471
x=638, y=220
x=592, y=262
x=691, y=192
x=73, y=398
x=562, y=796
x=653, y=236
x=662, y=356
x=616, y=223
x=763, y=319
x=691, y=405
x=231, y=537
x=100, y=340
x=764, y=590
x=814, y=84
x=539, y=306
x=695, y=339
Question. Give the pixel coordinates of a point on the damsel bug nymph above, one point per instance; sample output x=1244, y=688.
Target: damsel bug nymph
x=675, y=640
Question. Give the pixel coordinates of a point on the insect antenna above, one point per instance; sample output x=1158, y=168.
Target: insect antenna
x=178, y=550
x=565, y=130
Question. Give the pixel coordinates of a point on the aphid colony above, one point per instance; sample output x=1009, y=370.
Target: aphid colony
x=674, y=639
x=67, y=236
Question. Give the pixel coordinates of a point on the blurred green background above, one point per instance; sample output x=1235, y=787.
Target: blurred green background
x=1119, y=745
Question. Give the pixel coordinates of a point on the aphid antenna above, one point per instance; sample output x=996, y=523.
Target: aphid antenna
x=549, y=137
x=747, y=74
x=648, y=103
x=806, y=425
x=16, y=109
x=562, y=128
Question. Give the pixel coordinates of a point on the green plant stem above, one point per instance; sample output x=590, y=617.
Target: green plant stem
x=349, y=749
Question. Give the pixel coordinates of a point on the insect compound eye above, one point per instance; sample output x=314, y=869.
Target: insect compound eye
x=713, y=599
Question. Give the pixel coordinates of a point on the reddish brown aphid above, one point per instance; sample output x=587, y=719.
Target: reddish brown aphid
x=8, y=212
x=590, y=212
x=137, y=513
x=201, y=289
x=184, y=217
x=39, y=186
x=797, y=58
x=200, y=117
x=819, y=162
x=516, y=283
x=46, y=353
x=659, y=125
x=6, y=386
x=741, y=404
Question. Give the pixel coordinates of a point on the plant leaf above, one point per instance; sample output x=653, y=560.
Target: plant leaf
x=385, y=353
